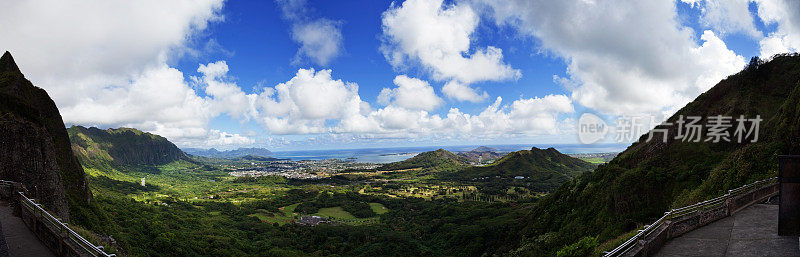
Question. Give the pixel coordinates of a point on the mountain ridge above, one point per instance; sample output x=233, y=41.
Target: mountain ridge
x=239, y=152
x=437, y=159
x=122, y=146
x=543, y=169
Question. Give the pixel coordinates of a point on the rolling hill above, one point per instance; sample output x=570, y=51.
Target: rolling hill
x=439, y=159
x=542, y=169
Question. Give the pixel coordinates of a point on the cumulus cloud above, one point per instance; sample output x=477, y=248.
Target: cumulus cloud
x=622, y=58
x=410, y=93
x=461, y=92
x=105, y=63
x=303, y=104
x=725, y=17
x=314, y=102
x=320, y=39
x=784, y=14
x=437, y=36
x=227, y=96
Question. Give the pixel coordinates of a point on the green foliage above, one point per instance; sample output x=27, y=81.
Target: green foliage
x=350, y=203
x=583, y=247
x=542, y=170
x=123, y=146
x=440, y=160
x=263, y=180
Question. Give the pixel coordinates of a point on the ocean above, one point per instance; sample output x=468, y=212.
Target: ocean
x=394, y=154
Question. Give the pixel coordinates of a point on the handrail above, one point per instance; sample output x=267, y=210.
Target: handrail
x=73, y=238
x=678, y=214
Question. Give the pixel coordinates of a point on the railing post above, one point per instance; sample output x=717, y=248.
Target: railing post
x=35, y=218
x=62, y=246
x=728, y=203
x=789, y=208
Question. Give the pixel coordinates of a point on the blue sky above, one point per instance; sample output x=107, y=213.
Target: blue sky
x=292, y=74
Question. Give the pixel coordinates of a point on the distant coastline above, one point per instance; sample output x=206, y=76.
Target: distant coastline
x=393, y=154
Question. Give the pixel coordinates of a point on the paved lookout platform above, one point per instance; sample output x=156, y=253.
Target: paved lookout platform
x=750, y=232
x=20, y=240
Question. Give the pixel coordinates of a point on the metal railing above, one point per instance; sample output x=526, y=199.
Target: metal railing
x=53, y=232
x=699, y=214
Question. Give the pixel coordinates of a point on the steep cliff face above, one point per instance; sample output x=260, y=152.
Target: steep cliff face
x=123, y=146
x=26, y=151
x=35, y=145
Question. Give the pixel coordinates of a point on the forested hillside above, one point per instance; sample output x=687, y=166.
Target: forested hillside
x=123, y=146
x=542, y=169
x=650, y=177
x=441, y=159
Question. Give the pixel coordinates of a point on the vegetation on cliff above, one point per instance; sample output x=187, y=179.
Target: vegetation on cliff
x=122, y=147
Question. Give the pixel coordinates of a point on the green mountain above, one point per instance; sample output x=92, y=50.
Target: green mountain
x=122, y=147
x=35, y=149
x=439, y=159
x=546, y=169
x=255, y=158
x=481, y=154
x=648, y=178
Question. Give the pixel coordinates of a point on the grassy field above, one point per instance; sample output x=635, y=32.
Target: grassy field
x=378, y=208
x=595, y=160
x=336, y=213
x=285, y=216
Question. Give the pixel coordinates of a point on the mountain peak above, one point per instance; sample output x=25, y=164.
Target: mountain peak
x=484, y=149
x=7, y=63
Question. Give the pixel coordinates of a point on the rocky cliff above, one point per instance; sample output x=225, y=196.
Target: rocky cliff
x=34, y=146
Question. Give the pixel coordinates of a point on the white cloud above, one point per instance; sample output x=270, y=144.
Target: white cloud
x=304, y=103
x=410, y=93
x=104, y=63
x=727, y=16
x=437, y=36
x=622, y=58
x=59, y=42
x=320, y=39
x=785, y=14
x=313, y=102
x=463, y=92
x=227, y=96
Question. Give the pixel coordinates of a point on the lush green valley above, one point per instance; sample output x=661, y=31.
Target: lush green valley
x=193, y=207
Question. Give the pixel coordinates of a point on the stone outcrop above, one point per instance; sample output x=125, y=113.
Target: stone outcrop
x=28, y=157
x=35, y=147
